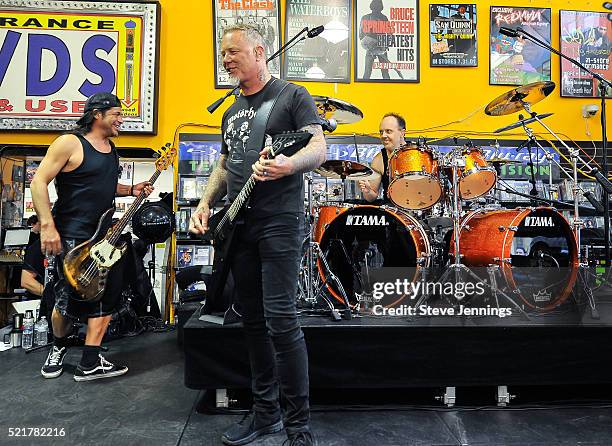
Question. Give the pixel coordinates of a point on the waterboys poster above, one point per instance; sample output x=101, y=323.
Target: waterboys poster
x=585, y=36
x=386, y=41
x=326, y=57
x=515, y=60
x=452, y=36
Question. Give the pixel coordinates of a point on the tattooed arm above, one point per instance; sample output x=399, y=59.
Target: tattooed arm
x=215, y=190
x=308, y=158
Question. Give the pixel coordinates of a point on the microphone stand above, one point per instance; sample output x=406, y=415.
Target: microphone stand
x=603, y=83
x=215, y=105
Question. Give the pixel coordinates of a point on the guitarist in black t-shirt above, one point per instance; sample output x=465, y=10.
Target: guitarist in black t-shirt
x=266, y=246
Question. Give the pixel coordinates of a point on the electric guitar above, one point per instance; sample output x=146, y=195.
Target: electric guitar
x=221, y=224
x=86, y=266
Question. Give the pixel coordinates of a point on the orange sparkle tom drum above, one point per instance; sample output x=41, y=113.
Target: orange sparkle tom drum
x=477, y=177
x=535, y=249
x=414, y=175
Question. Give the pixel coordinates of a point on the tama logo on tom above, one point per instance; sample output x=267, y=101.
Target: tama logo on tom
x=366, y=220
x=539, y=221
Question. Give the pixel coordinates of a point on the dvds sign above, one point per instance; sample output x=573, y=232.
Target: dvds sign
x=53, y=57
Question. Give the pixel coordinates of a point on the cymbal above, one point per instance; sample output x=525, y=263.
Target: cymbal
x=502, y=161
x=341, y=111
x=522, y=122
x=344, y=169
x=513, y=100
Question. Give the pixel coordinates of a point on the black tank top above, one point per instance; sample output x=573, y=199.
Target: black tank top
x=385, y=176
x=85, y=193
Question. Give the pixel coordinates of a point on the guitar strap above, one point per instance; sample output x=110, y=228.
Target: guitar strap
x=260, y=122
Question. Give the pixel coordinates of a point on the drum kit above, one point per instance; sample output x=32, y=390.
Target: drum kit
x=441, y=219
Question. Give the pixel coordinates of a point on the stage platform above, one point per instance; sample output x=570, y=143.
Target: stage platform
x=563, y=347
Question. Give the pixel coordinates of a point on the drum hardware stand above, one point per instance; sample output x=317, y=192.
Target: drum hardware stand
x=457, y=267
x=449, y=397
x=529, y=144
x=583, y=273
x=346, y=313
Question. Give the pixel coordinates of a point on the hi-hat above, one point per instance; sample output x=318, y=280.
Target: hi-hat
x=523, y=122
x=514, y=100
x=344, y=169
x=341, y=111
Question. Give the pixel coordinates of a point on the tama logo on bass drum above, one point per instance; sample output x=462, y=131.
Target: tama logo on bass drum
x=539, y=221
x=366, y=220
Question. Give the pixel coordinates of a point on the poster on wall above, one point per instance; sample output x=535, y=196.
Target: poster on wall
x=515, y=60
x=587, y=37
x=452, y=41
x=326, y=57
x=55, y=54
x=264, y=15
x=387, y=41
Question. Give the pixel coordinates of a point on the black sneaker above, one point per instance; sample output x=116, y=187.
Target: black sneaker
x=300, y=439
x=248, y=430
x=54, y=365
x=101, y=369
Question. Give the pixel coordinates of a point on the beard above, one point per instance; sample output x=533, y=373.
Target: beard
x=233, y=79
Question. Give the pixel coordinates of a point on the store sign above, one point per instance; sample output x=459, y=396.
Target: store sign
x=55, y=54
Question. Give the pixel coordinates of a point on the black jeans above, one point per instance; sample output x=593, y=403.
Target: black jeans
x=265, y=267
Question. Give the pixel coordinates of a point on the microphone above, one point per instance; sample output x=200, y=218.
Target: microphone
x=601, y=179
x=509, y=32
x=315, y=31
x=329, y=125
x=607, y=5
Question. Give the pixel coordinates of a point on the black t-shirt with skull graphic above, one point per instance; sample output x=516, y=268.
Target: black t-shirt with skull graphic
x=294, y=109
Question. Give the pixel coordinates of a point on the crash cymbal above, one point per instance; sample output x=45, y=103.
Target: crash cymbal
x=502, y=161
x=344, y=169
x=513, y=100
x=342, y=112
x=522, y=122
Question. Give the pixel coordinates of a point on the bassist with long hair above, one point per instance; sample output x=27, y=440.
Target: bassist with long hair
x=85, y=167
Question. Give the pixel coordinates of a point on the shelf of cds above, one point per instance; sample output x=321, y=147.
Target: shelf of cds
x=198, y=155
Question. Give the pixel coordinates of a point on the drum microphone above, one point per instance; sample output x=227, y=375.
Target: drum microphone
x=594, y=202
x=510, y=32
x=315, y=31
x=329, y=125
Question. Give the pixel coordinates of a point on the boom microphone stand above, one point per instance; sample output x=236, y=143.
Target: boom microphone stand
x=602, y=177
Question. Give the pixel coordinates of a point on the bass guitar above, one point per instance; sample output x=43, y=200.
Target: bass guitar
x=86, y=266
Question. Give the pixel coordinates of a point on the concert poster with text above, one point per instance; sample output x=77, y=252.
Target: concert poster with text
x=263, y=15
x=326, y=57
x=452, y=36
x=386, y=41
x=586, y=37
x=515, y=60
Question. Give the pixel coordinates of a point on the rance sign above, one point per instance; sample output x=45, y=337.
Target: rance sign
x=53, y=55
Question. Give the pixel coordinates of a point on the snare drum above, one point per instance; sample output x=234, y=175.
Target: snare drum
x=415, y=183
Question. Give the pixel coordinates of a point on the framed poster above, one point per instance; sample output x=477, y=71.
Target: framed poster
x=515, y=60
x=325, y=58
x=55, y=54
x=452, y=41
x=264, y=15
x=587, y=37
x=387, y=41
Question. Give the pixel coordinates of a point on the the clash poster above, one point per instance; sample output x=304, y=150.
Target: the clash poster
x=586, y=37
x=452, y=36
x=386, y=41
x=515, y=60
x=264, y=15
x=325, y=57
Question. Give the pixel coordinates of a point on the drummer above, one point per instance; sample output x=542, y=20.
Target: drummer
x=392, y=131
